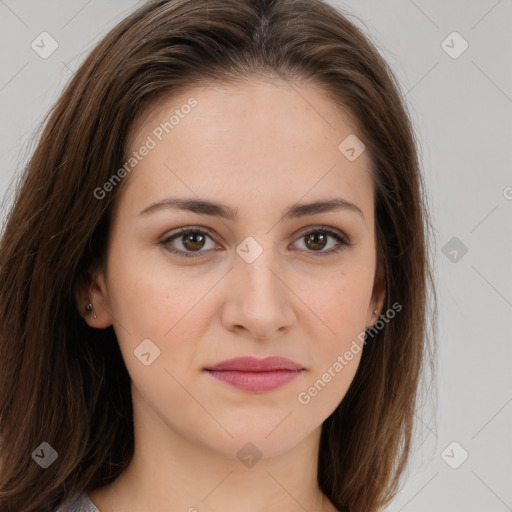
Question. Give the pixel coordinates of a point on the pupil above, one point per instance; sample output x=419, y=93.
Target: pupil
x=315, y=237
x=193, y=237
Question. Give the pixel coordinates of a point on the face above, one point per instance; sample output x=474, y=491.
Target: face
x=265, y=281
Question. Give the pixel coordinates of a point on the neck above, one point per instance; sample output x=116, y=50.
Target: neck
x=171, y=472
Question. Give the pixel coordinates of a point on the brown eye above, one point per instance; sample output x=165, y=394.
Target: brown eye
x=192, y=241
x=317, y=239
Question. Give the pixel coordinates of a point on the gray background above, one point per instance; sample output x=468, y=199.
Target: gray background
x=461, y=108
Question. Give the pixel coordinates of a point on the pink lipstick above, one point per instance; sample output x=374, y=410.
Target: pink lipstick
x=256, y=375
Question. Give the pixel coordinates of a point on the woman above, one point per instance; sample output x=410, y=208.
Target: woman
x=214, y=277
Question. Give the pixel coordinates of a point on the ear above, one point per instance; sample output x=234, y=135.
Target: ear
x=378, y=297
x=92, y=289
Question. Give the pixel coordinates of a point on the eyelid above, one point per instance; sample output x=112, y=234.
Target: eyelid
x=327, y=229
x=185, y=230
x=299, y=233
x=177, y=233
x=343, y=242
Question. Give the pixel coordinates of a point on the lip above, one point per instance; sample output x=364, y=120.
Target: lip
x=256, y=375
x=253, y=364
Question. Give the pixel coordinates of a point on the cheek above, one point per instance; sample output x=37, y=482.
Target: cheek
x=149, y=297
x=337, y=349
x=341, y=302
x=158, y=303
x=329, y=380
x=339, y=308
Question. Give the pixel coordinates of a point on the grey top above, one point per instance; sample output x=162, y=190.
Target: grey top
x=82, y=503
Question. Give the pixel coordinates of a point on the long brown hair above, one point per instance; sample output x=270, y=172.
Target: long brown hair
x=64, y=383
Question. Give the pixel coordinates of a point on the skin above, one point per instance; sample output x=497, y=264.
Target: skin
x=258, y=147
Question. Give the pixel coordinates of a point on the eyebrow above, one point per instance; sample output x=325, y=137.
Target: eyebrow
x=214, y=209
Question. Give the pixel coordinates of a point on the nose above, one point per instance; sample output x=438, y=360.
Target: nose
x=259, y=303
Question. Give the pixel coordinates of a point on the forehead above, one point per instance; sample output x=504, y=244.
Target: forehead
x=268, y=140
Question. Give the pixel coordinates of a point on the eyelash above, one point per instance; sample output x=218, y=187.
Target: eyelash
x=342, y=241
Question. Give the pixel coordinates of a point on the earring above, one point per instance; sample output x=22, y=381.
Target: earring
x=89, y=309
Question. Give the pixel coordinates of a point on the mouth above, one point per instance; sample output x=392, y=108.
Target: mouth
x=256, y=375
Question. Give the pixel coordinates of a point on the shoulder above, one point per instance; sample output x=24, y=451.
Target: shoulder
x=79, y=503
